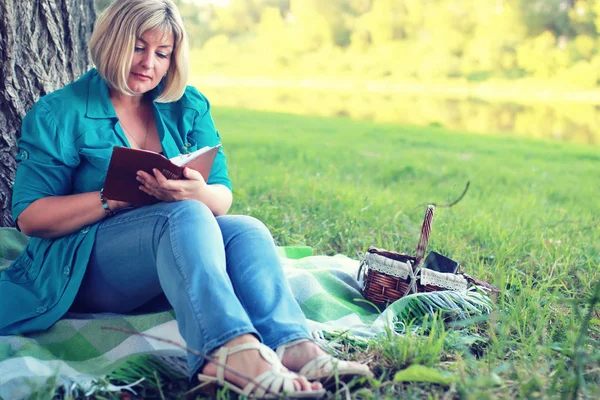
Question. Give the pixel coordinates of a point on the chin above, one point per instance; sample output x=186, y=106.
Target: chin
x=141, y=89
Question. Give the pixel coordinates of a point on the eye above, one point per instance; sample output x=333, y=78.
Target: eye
x=162, y=55
x=138, y=49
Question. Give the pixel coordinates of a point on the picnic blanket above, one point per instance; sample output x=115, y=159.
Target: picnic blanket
x=77, y=351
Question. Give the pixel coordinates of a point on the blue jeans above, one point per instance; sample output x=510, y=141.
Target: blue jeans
x=221, y=275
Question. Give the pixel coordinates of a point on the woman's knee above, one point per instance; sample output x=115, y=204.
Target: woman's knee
x=235, y=225
x=189, y=211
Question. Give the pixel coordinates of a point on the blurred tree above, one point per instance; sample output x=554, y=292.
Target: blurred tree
x=581, y=17
x=383, y=22
x=547, y=15
x=428, y=39
x=310, y=28
x=240, y=17
x=358, y=7
x=494, y=34
x=197, y=19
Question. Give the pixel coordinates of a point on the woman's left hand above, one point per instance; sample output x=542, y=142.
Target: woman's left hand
x=164, y=189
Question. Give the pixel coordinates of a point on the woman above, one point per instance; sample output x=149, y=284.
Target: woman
x=219, y=272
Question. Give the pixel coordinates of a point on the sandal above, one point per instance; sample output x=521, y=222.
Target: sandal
x=326, y=369
x=272, y=384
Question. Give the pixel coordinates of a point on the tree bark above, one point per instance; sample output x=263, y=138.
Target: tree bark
x=43, y=46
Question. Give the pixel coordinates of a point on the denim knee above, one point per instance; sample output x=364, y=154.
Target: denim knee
x=186, y=211
x=242, y=225
x=251, y=223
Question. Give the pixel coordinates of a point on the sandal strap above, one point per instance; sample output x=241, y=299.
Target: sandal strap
x=324, y=364
x=270, y=382
x=224, y=352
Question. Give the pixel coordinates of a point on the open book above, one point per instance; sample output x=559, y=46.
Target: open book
x=121, y=183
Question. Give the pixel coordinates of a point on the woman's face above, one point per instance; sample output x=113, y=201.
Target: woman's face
x=151, y=60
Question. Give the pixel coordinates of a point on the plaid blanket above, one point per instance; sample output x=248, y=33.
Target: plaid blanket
x=76, y=351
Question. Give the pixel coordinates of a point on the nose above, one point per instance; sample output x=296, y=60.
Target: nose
x=148, y=60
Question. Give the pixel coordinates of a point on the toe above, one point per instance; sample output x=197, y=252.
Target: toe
x=304, y=384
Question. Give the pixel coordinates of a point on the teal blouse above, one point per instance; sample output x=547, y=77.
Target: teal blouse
x=65, y=147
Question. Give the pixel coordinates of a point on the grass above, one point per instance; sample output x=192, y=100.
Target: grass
x=529, y=223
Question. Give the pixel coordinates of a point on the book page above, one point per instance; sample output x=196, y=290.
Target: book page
x=183, y=159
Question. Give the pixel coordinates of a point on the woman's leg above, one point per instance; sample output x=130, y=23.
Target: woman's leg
x=176, y=248
x=257, y=277
x=255, y=270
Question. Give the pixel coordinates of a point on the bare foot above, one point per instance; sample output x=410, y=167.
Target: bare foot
x=297, y=356
x=251, y=364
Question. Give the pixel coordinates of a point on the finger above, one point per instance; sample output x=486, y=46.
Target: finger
x=146, y=179
x=147, y=190
x=162, y=182
x=145, y=175
x=158, y=175
x=192, y=174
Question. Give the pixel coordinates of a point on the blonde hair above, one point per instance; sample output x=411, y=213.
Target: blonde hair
x=113, y=42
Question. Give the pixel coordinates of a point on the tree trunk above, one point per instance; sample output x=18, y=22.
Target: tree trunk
x=43, y=46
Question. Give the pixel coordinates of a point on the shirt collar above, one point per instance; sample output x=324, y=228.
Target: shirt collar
x=98, y=101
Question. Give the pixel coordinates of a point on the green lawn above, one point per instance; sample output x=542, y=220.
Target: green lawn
x=529, y=223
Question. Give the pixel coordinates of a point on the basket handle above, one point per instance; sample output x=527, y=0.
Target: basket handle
x=425, y=232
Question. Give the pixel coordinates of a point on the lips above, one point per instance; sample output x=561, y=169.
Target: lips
x=142, y=76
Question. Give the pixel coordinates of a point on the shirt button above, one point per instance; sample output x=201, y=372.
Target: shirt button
x=85, y=230
x=41, y=310
x=24, y=154
x=66, y=270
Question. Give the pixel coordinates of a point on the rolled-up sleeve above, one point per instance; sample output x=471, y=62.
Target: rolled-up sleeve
x=205, y=133
x=46, y=159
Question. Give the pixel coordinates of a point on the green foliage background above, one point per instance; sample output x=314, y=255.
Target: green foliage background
x=472, y=40
x=530, y=67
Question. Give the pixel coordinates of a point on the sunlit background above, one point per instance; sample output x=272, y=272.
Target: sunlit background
x=518, y=67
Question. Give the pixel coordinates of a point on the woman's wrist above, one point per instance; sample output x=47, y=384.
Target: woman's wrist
x=111, y=206
x=104, y=201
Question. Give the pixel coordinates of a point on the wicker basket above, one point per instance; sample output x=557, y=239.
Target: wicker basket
x=387, y=276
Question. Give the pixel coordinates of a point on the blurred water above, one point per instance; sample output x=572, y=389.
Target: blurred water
x=570, y=121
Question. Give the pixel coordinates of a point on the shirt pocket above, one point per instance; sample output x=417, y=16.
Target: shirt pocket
x=97, y=158
x=22, y=270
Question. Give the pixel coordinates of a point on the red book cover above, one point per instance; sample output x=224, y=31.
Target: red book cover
x=121, y=183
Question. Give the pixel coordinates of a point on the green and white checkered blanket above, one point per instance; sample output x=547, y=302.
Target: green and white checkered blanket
x=78, y=351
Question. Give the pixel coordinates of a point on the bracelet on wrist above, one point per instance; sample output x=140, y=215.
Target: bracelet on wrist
x=104, y=202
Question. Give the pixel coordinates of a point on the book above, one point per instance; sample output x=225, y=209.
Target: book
x=121, y=183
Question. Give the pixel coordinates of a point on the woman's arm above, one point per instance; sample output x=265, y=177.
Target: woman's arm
x=56, y=216
x=43, y=203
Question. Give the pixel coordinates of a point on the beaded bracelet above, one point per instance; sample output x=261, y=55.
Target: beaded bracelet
x=104, y=202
